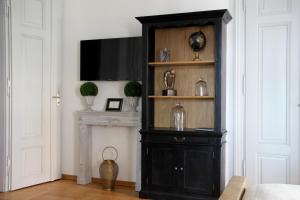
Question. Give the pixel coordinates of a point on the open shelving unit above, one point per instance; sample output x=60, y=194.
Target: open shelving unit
x=199, y=110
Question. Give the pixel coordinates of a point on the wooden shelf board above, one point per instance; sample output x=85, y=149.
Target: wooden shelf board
x=182, y=63
x=182, y=97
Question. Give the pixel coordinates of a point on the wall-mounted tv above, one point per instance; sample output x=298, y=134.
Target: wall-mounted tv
x=111, y=59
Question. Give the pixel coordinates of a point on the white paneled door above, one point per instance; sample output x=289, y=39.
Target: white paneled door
x=272, y=91
x=31, y=89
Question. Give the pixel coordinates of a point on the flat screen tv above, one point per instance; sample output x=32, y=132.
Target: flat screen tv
x=113, y=59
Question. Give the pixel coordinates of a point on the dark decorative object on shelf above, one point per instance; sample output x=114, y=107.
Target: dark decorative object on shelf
x=197, y=42
x=169, y=81
x=114, y=104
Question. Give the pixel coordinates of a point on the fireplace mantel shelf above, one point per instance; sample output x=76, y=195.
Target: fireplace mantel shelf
x=101, y=118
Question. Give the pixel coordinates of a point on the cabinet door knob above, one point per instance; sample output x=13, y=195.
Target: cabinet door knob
x=175, y=168
x=181, y=168
x=179, y=139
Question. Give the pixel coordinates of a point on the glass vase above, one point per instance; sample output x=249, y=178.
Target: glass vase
x=178, y=118
x=201, y=88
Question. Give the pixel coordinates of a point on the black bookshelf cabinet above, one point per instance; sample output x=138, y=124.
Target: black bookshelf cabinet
x=188, y=164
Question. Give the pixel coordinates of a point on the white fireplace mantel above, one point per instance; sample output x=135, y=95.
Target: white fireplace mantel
x=100, y=118
x=87, y=119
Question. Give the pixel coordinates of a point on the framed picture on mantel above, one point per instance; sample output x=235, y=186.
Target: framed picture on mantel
x=114, y=104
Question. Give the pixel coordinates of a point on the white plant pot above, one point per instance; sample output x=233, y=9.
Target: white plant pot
x=89, y=100
x=132, y=103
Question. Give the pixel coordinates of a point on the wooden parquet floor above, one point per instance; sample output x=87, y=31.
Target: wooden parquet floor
x=68, y=190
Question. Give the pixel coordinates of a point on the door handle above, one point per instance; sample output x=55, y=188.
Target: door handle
x=57, y=97
x=175, y=168
x=181, y=168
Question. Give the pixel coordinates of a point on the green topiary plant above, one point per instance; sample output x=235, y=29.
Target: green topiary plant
x=133, y=89
x=89, y=89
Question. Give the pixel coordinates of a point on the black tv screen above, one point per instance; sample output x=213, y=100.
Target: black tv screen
x=111, y=59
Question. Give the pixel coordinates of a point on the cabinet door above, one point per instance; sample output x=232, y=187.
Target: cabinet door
x=162, y=163
x=197, y=168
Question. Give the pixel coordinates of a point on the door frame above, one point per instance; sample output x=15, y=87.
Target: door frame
x=6, y=129
x=56, y=62
x=239, y=88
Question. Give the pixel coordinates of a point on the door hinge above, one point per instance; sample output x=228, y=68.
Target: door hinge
x=244, y=85
x=8, y=83
x=213, y=187
x=147, y=151
x=8, y=165
x=147, y=180
x=244, y=167
x=213, y=155
x=7, y=8
x=244, y=5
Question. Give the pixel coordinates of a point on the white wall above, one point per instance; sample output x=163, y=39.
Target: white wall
x=2, y=96
x=88, y=19
x=230, y=93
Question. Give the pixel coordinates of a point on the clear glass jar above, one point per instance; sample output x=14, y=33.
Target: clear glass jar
x=201, y=88
x=178, y=117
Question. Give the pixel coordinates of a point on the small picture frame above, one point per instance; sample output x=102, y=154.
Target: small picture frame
x=114, y=104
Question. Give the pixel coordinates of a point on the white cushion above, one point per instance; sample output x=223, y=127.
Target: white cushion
x=272, y=192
